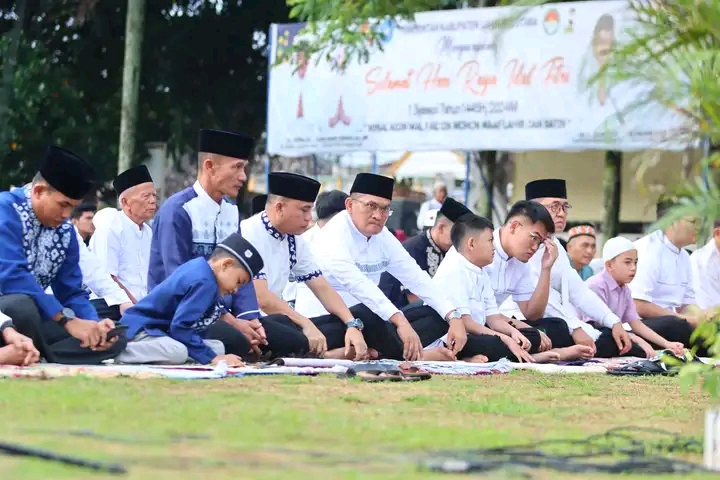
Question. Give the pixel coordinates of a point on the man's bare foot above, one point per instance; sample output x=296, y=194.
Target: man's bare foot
x=373, y=354
x=439, y=354
x=339, y=354
x=476, y=359
x=546, y=357
x=10, y=355
x=576, y=352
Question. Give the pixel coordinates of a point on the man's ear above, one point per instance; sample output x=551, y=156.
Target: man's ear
x=226, y=263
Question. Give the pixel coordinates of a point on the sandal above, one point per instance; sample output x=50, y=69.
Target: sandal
x=413, y=373
x=641, y=367
x=373, y=372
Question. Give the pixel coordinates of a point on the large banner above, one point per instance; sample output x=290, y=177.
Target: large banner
x=452, y=80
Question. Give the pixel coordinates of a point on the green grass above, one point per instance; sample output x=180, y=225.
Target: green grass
x=268, y=428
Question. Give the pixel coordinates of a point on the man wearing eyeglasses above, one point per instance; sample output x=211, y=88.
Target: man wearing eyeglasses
x=353, y=250
x=569, y=294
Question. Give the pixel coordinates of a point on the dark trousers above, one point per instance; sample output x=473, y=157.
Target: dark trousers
x=105, y=311
x=675, y=329
x=607, y=348
x=284, y=339
x=381, y=335
x=53, y=342
x=494, y=349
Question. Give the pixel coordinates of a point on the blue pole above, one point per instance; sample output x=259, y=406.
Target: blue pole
x=466, y=183
x=374, y=162
x=267, y=172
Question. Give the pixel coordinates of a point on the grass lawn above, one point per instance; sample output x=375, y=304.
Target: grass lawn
x=251, y=424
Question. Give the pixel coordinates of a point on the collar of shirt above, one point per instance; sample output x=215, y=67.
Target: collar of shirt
x=31, y=210
x=609, y=280
x=207, y=201
x=138, y=230
x=666, y=242
x=432, y=244
x=274, y=232
x=357, y=234
x=498, y=245
x=459, y=259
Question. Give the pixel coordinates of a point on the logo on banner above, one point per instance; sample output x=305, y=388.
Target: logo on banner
x=551, y=22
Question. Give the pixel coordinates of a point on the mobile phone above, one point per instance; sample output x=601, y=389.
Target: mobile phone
x=116, y=332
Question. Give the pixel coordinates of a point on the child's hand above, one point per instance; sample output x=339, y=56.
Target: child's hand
x=677, y=348
x=230, y=359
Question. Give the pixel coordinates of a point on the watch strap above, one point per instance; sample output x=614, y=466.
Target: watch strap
x=6, y=324
x=63, y=321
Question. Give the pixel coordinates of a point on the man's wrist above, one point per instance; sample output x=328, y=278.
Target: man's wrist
x=399, y=320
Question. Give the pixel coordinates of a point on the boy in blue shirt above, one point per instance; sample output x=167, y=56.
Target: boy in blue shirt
x=170, y=323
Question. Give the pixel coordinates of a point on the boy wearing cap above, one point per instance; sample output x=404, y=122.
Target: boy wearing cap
x=611, y=285
x=353, y=250
x=192, y=222
x=170, y=324
x=581, y=248
x=276, y=233
x=427, y=248
x=124, y=245
x=40, y=250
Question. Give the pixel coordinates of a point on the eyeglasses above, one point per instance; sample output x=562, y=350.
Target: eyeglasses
x=374, y=207
x=555, y=207
x=537, y=239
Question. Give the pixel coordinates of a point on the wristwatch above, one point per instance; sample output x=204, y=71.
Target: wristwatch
x=5, y=325
x=356, y=323
x=67, y=315
x=453, y=315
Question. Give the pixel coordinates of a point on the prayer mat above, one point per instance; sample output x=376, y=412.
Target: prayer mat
x=595, y=365
x=436, y=368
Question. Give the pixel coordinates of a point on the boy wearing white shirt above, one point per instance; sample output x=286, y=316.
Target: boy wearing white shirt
x=662, y=288
x=705, y=262
x=490, y=335
x=275, y=233
x=354, y=249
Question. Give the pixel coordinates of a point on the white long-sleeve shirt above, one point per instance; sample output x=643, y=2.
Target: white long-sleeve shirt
x=569, y=294
x=97, y=279
x=353, y=263
x=705, y=263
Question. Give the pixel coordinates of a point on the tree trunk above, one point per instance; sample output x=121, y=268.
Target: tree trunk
x=488, y=160
x=612, y=182
x=9, y=66
x=134, y=26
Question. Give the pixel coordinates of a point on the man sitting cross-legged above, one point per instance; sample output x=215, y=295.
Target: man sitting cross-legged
x=490, y=335
x=275, y=233
x=170, y=324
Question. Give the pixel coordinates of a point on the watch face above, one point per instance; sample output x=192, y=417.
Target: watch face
x=68, y=313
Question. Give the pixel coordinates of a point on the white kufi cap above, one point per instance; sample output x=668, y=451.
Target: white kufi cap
x=616, y=246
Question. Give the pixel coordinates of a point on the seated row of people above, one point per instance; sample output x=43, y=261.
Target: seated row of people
x=339, y=310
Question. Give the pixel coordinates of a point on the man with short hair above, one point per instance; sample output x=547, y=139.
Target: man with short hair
x=124, y=245
x=569, y=293
x=581, y=248
x=354, y=249
x=440, y=193
x=427, y=249
x=275, y=233
x=662, y=288
x=39, y=249
x=192, y=222
x=705, y=262
x=82, y=219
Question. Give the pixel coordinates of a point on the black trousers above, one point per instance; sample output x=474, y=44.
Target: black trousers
x=53, y=342
x=607, y=348
x=284, y=339
x=494, y=349
x=675, y=329
x=381, y=335
x=105, y=311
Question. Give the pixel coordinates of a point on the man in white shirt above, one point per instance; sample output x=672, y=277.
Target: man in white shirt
x=440, y=193
x=275, y=233
x=124, y=245
x=327, y=205
x=528, y=227
x=490, y=334
x=82, y=219
x=662, y=288
x=354, y=249
x=705, y=264
x=569, y=293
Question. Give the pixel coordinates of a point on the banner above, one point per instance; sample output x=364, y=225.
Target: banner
x=452, y=80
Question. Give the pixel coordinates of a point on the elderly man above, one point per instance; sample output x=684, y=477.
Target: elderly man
x=124, y=245
x=569, y=294
x=705, y=263
x=40, y=250
x=82, y=219
x=440, y=193
x=194, y=221
x=581, y=248
x=354, y=249
x=427, y=248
